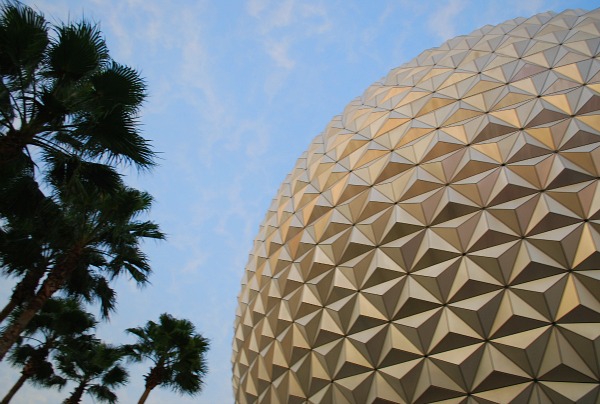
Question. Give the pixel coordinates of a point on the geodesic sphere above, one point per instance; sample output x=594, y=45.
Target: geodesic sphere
x=440, y=239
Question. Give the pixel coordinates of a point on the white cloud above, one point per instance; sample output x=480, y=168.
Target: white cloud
x=256, y=7
x=279, y=52
x=282, y=15
x=122, y=49
x=443, y=21
x=260, y=144
x=271, y=16
x=275, y=19
x=282, y=27
x=275, y=81
x=194, y=265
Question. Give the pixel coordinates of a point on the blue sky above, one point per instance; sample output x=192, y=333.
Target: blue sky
x=238, y=89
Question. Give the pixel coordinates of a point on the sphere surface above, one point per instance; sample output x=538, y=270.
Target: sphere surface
x=440, y=239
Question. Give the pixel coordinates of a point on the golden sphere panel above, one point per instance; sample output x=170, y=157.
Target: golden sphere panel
x=439, y=241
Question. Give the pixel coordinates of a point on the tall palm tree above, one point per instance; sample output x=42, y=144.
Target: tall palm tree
x=95, y=368
x=58, y=325
x=64, y=105
x=176, y=351
x=95, y=237
x=61, y=98
x=62, y=93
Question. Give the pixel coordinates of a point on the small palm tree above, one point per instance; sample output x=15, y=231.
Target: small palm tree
x=59, y=324
x=176, y=351
x=95, y=368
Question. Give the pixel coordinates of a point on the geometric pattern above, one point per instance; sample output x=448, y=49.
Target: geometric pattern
x=440, y=240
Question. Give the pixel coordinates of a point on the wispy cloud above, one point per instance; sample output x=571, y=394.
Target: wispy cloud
x=281, y=26
x=256, y=7
x=271, y=20
x=497, y=12
x=279, y=51
x=271, y=14
x=443, y=20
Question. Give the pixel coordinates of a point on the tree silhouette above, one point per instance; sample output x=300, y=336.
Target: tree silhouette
x=95, y=237
x=95, y=369
x=68, y=118
x=60, y=323
x=177, y=354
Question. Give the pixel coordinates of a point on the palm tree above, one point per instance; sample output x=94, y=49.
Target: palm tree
x=95, y=238
x=65, y=106
x=95, y=368
x=62, y=98
x=28, y=244
x=62, y=93
x=60, y=323
x=176, y=351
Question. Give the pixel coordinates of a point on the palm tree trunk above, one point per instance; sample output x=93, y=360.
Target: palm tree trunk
x=15, y=388
x=24, y=291
x=52, y=283
x=10, y=306
x=16, y=140
x=145, y=395
x=75, y=398
x=153, y=379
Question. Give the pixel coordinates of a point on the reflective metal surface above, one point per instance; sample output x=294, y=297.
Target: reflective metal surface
x=440, y=240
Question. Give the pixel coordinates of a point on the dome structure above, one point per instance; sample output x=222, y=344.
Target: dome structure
x=440, y=240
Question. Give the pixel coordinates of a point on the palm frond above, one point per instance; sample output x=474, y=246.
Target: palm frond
x=23, y=39
x=7, y=111
x=21, y=354
x=52, y=381
x=102, y=393
x=146, y=230
x=67, y=170
x=186, y=383
x=116, y=376
x=114, y=137
x=78, y=51
x=105, y=295
x=118, y=87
